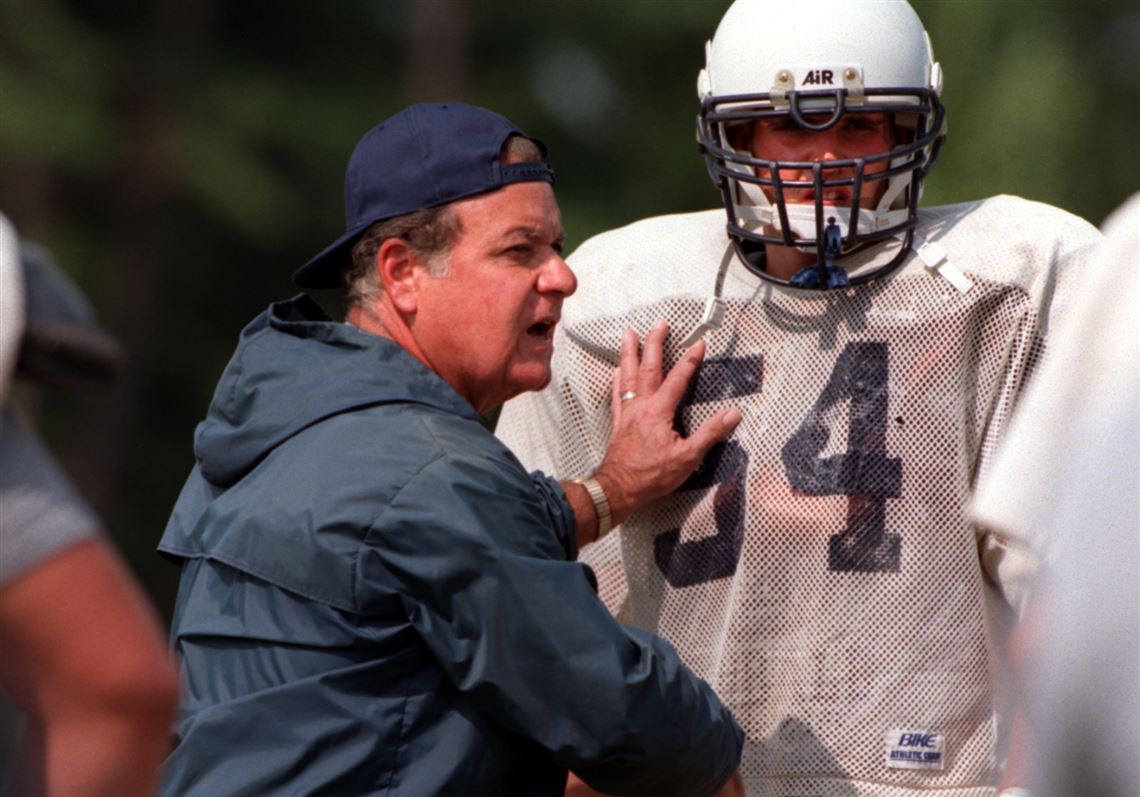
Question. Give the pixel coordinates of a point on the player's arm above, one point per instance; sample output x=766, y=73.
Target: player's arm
x=85, y=659
x=647, y=458
x=1011, y=566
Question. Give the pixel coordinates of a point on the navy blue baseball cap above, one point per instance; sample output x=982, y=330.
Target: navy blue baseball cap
x=425, y=156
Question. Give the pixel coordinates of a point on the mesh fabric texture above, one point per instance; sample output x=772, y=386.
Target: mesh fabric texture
x=819, y=570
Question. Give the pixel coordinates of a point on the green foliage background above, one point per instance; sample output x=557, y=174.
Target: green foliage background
x=181, y=157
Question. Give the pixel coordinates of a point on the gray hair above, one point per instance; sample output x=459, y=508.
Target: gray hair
x=429, y=232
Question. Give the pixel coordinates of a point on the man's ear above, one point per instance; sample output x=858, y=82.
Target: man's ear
x=395, y=264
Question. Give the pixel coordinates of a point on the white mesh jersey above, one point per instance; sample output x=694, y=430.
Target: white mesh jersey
x=819, y=570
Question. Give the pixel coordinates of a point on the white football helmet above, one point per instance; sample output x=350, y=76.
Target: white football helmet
x=815, y=61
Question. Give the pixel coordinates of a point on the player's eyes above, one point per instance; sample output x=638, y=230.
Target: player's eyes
x=782, y=125
x=863, y=124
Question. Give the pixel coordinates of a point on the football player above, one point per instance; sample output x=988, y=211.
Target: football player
x=820, y=570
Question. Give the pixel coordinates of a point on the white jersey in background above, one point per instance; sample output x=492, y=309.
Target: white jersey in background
x=819, y=570
x=1066, y=481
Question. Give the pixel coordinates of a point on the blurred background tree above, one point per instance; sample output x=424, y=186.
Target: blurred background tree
x=182, y=157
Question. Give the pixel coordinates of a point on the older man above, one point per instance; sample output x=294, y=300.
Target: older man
x=376, y=598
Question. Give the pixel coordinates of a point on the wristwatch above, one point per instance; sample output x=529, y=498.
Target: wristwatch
x=601, y=506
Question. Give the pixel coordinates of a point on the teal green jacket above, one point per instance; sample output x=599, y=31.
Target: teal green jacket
x=377, y=599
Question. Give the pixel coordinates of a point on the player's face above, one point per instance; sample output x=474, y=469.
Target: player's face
x=487, y=325
x=856, y=135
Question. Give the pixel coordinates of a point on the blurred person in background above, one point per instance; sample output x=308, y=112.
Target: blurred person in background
x=1066, y=481
x=820, y=570
x=82, y=656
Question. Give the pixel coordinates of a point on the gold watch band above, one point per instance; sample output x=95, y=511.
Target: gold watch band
x=601, y=506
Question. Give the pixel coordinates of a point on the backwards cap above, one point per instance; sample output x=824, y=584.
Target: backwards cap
x=425, y=156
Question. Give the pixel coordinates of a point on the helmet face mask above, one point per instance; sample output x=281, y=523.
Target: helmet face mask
x=900, y=83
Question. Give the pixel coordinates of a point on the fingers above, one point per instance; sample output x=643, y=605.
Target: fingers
x=715, y=430
x=640, y=371
x=649, y=372
x=643, y=375
x=624, y=381
x=673, y=387
x=615, y=394
x=647, y=457
x=630, y=362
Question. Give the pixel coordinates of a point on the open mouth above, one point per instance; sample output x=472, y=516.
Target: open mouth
x=839, y=198
x=543, y=329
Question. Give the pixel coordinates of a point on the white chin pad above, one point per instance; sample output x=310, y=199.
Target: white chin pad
x=801, y=218
x=763, y=217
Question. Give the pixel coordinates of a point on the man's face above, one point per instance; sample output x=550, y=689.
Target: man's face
x=487, y=325
x=856, y=135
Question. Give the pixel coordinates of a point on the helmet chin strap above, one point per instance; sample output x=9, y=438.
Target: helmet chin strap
x=714, y=307
x=824, y=273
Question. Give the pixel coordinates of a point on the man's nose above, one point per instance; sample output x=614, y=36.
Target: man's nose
x=557, y=277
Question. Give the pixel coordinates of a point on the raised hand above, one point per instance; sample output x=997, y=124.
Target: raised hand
x=647, y=458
